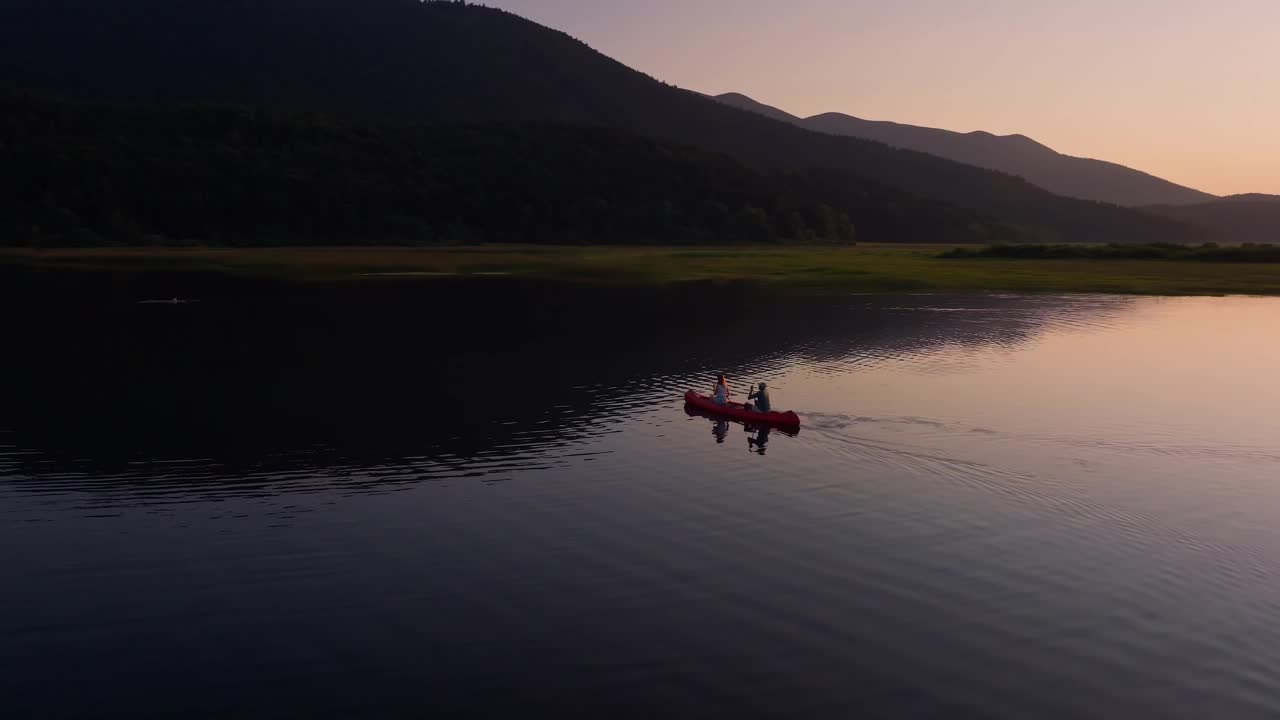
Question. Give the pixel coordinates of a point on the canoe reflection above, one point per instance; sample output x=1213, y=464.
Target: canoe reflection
x=757, y=435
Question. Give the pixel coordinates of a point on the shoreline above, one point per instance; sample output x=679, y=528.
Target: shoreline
x=803, y=270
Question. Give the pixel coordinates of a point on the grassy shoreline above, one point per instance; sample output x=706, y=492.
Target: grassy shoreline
x=807, y=269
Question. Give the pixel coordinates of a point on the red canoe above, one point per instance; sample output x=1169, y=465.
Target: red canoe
x=738, y=412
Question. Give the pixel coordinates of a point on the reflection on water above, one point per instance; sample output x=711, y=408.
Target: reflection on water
x=381, y=379
x=757, y=435
x=476, y=498
x=759, y=440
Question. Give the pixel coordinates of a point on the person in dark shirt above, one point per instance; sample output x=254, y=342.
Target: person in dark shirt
x=761, y=397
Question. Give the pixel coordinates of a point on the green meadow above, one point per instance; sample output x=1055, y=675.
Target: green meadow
x=800, y=269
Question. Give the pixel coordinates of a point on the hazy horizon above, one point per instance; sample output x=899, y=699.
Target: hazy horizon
x=1170, y=87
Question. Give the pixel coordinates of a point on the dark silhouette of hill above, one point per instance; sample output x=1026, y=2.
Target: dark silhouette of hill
x=455, y=63
x=1251, y=217
x=1014, y=154
x=1247, y=198
x=742, y=102
x=88, y=174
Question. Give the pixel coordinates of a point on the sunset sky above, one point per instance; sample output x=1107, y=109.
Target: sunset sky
x=1187, y=90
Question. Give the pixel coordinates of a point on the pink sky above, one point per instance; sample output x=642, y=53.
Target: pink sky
x=1189, y=91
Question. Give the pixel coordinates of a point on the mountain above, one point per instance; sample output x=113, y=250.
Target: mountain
x=1235, y=218
x=1014, y=154
x=446, y=62
x=742, y=102
x=1249, y=198
x=92, y=174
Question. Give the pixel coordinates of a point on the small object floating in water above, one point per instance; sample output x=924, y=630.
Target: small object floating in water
x=172, y=301
x=738, y=412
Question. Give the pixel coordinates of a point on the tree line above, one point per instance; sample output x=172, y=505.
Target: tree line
x=1205, y=252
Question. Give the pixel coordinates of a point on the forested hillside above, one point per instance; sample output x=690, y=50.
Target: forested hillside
x=75, y=173
x=452, y=63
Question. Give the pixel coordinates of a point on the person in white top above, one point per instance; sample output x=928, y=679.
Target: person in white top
x=720, y=394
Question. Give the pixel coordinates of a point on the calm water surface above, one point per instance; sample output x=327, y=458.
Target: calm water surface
x=473, y=502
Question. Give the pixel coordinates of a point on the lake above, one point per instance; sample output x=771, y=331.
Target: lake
x=479, y=498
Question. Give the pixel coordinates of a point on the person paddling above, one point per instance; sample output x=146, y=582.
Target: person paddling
x=761, y=397
x=720, y=394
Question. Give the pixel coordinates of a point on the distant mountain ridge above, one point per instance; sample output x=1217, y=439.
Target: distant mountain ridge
x=454, y=63
x=1014, y=154
x=1252, y=217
